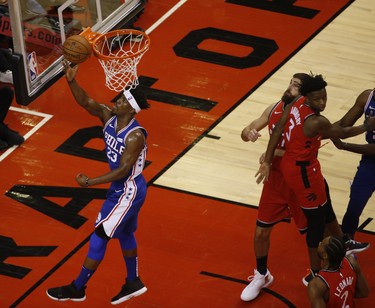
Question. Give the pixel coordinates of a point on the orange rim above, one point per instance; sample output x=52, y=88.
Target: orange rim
x=89, y=35
x=99, y=38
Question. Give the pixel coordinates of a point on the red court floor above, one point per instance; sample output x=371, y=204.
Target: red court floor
x=194, y=250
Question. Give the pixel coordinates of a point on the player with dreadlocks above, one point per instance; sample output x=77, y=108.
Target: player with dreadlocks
x=340, y=280
x=304, y=127
x=277, y=203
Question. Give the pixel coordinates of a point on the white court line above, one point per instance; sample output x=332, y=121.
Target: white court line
x=46, y=117
x=165, y=16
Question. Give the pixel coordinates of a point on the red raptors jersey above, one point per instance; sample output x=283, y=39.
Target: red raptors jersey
x=273, y=118
x=300, y=166
x=278, y=202
x=299, y=147
x=341, y=285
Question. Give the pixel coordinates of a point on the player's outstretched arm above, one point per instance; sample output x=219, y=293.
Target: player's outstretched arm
x=94, y=108
x=365, y=149
x=251, y=131
x=264, y=169
x=322, y=126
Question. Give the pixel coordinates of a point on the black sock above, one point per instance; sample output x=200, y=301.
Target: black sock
x=262, y=264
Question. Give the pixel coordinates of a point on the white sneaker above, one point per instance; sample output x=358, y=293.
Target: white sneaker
x=257, y=282
x=6, y=77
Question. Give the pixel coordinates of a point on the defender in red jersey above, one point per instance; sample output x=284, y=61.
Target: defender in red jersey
x=277, y=202
x=274, y=205
x=340, y=279
x=300, y=166
x=303, y=127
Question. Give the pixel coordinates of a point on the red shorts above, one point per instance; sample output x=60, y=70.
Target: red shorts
x=277, y=202
x=306, y=181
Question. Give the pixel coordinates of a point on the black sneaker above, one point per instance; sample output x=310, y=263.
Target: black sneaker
x=353, y=246
x=309, y=276
x=129, y=289
x=10, y=136
x=65, y=293
x=3, y=145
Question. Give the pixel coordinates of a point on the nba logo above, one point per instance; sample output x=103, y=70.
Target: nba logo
x=33, y=65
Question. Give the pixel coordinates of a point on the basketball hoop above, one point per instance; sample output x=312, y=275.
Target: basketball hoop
x=119, y=52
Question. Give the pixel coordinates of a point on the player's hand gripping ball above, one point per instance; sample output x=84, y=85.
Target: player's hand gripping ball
x=76, y=49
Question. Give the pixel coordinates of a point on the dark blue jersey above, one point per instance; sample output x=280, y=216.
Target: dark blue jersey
x=125, y=196
x=115, y=146
x=369, y=110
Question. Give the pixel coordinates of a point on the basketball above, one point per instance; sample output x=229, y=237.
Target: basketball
x=76, y=49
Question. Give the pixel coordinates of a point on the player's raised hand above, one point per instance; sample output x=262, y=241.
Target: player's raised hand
x=70, y=72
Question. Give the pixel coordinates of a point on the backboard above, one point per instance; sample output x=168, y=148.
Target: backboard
x=36, y=29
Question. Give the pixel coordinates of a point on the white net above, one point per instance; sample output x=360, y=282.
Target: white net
x=119, y=53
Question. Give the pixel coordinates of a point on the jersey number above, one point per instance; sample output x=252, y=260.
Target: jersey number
x=290, y=128
x=344, y=297
x=112, y=156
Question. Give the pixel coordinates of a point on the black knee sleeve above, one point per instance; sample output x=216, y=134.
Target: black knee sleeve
x=330, y=214
x=316, y=224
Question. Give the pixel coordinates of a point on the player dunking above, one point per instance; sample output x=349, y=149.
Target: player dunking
x=126, y=148
x=340, y=279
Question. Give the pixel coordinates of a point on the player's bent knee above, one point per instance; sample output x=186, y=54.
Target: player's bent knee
x=262, y=233
x=316, y=225
x=313, y=239
x=330, y=213
x=97, y=247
